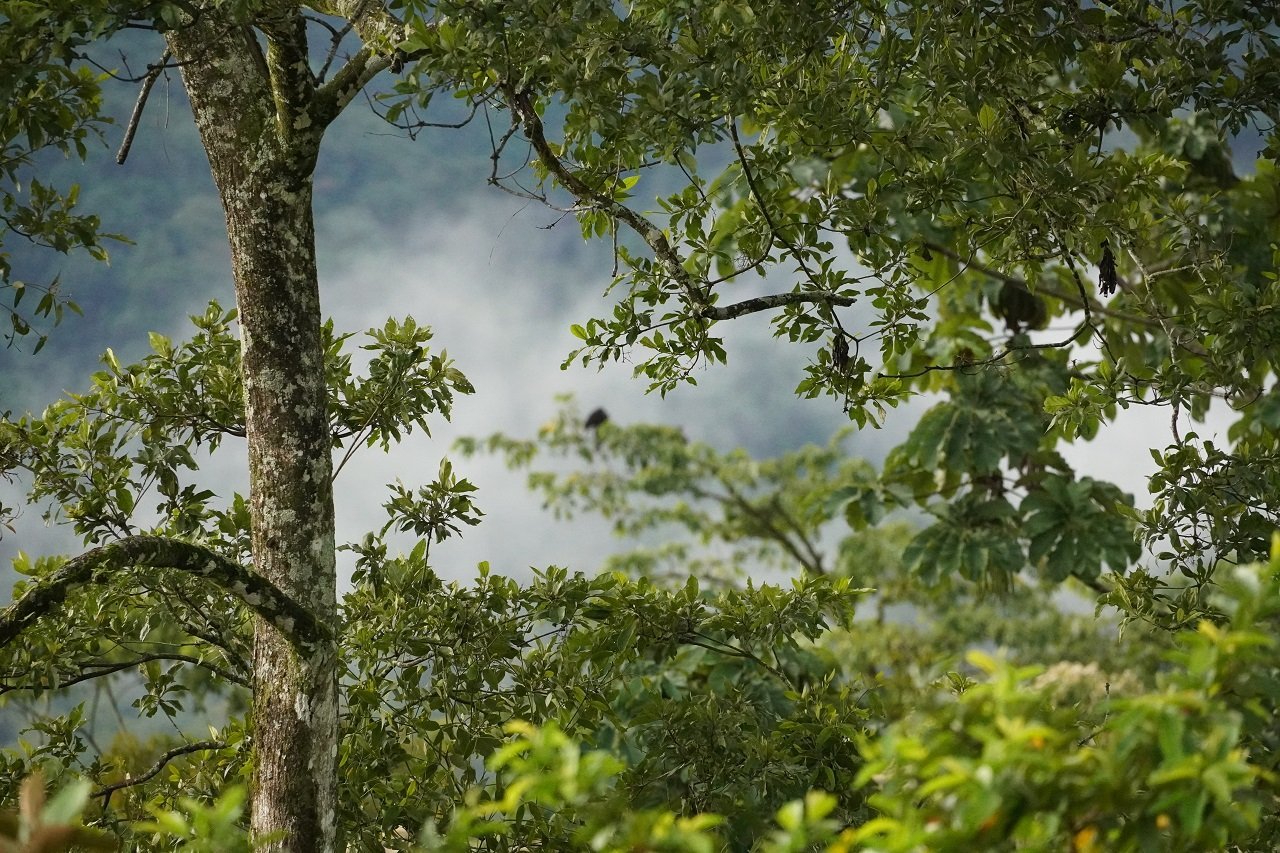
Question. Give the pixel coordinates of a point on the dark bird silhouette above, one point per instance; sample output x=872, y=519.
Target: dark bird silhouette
x=596, y=418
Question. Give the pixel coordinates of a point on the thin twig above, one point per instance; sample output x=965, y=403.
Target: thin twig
x=995, y=359
x=697, y=638
x=811, y=563
x=378, y=409
x=1084, y=296
x=774, y=232
x=335, y=40
x=186, y=749
x=667, y=256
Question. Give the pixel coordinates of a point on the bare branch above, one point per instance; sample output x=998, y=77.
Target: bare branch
x=336, y=36
x=775, y=300
x=153, y=71
x=100, y=565
x=380, y=32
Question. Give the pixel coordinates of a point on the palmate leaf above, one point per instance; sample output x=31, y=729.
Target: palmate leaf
x=993, y=419
x=1067, y=527
x=974, y=537
x=1073, y=527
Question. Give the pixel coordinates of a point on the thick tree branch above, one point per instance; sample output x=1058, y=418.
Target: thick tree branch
x=100, y=565
x=380, y=32
x=228, y=60
x=293, y=84
x=775, y=300
x=349, y=80
x=90, y=671
x=378, y=28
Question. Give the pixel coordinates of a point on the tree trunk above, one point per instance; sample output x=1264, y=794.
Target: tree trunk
x=252, y=113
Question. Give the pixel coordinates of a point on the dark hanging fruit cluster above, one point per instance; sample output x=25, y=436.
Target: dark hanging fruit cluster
x=1107, y=280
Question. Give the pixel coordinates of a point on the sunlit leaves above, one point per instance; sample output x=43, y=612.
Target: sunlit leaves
x=1007, y=758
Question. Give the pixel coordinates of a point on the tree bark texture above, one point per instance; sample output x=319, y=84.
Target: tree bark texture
x=254, y=111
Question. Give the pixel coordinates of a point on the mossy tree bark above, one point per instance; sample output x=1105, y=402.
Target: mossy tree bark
x=255, y=114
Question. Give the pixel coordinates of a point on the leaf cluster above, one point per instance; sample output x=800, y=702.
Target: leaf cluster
x=690, y=688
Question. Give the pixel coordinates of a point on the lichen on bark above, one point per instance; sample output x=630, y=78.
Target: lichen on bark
x=261, y=157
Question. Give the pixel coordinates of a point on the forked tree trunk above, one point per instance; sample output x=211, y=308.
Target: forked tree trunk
x=262, y=150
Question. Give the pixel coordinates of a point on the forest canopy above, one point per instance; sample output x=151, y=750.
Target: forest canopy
x=1032, y=216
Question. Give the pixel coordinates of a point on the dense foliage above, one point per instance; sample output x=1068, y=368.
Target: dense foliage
x=982, y=167
x=1036, y=214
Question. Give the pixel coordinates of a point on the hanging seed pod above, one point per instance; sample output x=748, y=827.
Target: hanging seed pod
x=1107, y=279
x=840, y=354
